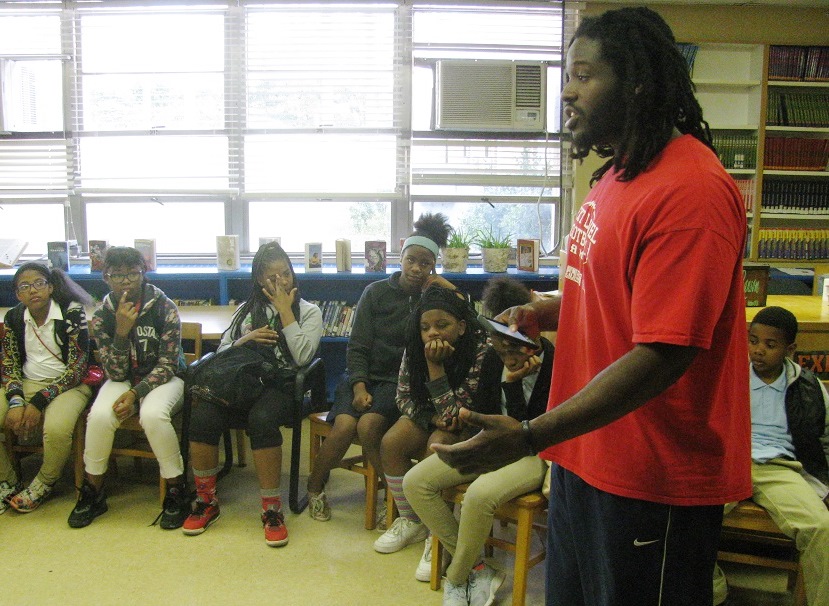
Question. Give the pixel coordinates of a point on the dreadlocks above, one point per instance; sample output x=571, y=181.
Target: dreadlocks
x=655, y=87
x=257, y=303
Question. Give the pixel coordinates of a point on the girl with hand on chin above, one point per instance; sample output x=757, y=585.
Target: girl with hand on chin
x=276, y=317
x=138, y=334
x=46, y=347
x=439, y=375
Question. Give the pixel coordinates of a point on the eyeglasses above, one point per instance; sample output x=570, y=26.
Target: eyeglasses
x=128, y=277
x=36, y=285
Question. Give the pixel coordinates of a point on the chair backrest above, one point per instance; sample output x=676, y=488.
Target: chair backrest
x=191, y=334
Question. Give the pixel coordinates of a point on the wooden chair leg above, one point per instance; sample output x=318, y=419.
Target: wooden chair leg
x=437, y=563
x=372, y=484
x=78, y=445
x=523, y=536
x=241, y=451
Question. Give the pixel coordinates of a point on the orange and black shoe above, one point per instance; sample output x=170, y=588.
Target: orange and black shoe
x=276, y=534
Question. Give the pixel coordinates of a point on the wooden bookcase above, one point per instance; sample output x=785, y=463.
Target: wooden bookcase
x=735, y=92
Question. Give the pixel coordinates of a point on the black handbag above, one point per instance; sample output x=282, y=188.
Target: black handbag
x=235, y=377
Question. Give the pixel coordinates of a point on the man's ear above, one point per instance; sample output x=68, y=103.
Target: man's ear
x=791, y=349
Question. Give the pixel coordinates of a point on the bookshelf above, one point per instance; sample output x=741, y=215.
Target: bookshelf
x=772, y=135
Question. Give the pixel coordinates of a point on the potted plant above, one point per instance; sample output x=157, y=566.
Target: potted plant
x=455, y=255
x=495, y=250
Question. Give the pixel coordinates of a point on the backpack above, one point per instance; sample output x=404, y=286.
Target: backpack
x=236, y=377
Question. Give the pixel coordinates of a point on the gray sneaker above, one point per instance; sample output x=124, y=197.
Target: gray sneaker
x=318, y=507
x=7, y=491
x=455, y=595
x=484, y=582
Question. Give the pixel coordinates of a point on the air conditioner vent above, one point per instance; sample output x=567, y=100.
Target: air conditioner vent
x=490, y=95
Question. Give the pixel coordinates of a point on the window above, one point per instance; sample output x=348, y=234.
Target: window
x=304, y=120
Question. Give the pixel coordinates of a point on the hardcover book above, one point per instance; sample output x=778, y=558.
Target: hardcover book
x=376, y=256
x=528, y=254
x=146, y=246
x=265, y=239
x=97, y=251
x=227, y=253
x=58, y=254
x=343, y=248
x=313, y=256
x=10, y=251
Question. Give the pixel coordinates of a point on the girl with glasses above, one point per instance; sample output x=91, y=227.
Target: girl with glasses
x=46, y=348
x=137, y=331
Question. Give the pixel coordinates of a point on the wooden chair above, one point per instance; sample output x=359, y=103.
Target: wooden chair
x=191, y=338
x=358, y=463
x=750, y=536
x=310, y=380
x=521, y=511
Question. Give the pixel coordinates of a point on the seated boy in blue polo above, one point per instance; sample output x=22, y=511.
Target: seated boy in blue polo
x=790, y=444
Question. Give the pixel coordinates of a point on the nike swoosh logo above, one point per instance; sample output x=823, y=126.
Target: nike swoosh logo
x=638, y=543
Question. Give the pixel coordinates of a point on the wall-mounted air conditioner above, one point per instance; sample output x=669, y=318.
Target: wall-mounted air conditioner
x=482, y=95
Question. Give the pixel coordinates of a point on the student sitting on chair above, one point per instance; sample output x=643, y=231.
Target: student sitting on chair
x=138, y=334
x=364, y=403
x=440, y=373
x=46, y=349
x=275, y=316
x=519, y=380
x=790, y=444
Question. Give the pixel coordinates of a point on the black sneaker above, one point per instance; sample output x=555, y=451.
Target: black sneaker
x=177, y=506
x=90, y=505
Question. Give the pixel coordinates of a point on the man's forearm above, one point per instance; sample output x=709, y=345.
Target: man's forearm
x=634, y=379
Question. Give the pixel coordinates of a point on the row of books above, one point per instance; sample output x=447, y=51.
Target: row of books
x=806, y=196
x=736, y=149
x=746, y=187
x=792, y=153
x=57, y=253
x=689, y=53
x=337, y=318
x=800, y=108
x=805, y=63
x=794, y=244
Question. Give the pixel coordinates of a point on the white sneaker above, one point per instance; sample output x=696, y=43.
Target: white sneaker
x=484, y=582
x=403, y=532
x=455, y=595
x=424, y=568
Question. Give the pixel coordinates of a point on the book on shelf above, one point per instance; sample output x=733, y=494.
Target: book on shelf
x=10, y=251
x=375, y=256
x=265, y=239
x=343, y=254
x=97, y=252
x=799, y=196
x=528, y=253
x=58, y=254
x=746, y=187
x=313, y=256
x=799, y=63
x=796, y=153
x=689, y=53
x=227, y=253
x=146, y=246
x=816, y=361
x=794, y=244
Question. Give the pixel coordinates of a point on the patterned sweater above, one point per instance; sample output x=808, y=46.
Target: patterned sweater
x=151, y=354
x=72, y=335
x=443, y=400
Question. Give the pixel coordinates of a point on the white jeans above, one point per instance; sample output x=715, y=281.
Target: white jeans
x=155, y=413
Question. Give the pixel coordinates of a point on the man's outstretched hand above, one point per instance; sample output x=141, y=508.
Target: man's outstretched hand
x=500, y=442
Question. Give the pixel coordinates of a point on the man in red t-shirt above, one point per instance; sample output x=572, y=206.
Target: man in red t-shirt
x=648, y=422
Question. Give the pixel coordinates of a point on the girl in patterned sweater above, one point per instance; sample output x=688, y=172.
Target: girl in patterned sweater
x=439, y=375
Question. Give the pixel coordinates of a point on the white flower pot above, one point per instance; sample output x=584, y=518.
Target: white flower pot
x=454, y=260
x=495, y=260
